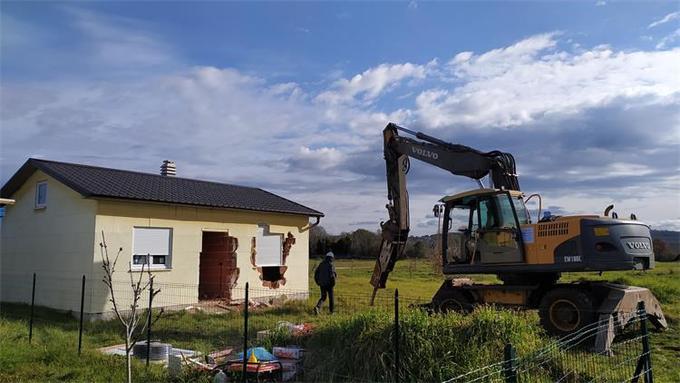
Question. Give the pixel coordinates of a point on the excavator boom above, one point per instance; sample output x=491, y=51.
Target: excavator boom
x=457, y=159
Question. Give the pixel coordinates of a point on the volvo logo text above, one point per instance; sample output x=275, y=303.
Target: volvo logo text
x=424, y=153
x=638, y=245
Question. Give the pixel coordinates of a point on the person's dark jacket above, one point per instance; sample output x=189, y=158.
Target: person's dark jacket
x=325, y=275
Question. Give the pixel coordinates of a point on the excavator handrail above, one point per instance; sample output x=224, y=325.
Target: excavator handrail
x=540, y=205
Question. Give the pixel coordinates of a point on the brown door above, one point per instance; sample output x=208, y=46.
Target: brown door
x=217, y=267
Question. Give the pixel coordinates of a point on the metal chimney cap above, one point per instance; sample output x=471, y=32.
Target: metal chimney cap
x=168, y=168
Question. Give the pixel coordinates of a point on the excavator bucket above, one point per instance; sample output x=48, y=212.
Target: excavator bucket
x=620, y=307
x=383, y=266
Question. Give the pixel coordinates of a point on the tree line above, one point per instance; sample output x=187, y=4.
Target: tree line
x=362, y=243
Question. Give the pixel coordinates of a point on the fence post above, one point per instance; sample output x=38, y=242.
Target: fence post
x=646, y=350
x=509, y=364
x=30, y=321
x=396, y=335
x=245, y=335
x=82, y=309
x=148, y=324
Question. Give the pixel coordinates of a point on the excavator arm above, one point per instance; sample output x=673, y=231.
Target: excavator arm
x=457, y=159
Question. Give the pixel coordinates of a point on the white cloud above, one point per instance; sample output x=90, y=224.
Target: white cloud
x=113, y=41
x=669, y=17
x=372, y=82
x=531, y=80
x=323, y=147
x=617, y=169
x=669, y=39
x=322, y=158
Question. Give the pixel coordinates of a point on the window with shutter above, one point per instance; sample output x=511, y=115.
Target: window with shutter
x=151, y=246
x=269, y=247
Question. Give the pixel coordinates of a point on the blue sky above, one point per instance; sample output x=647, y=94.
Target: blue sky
x=292, y=97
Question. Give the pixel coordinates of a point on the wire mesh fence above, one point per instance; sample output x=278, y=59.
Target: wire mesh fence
x=217, y=323
x=572, y=358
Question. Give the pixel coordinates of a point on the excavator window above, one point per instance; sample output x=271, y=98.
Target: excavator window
x=521, y=210
x=487, y=216
x=507, y=217
x=497, y=241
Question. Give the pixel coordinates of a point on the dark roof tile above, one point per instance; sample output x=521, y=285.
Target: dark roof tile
x=93, y=181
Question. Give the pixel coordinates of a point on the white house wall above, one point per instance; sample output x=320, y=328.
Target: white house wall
x=54, y=242
x=179, y=285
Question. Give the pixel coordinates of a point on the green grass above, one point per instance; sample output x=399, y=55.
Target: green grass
x=437, y=347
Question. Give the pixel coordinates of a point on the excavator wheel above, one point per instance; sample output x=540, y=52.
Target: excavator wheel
x=566, y=310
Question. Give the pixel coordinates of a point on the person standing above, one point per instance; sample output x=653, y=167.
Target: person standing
x=325, y=276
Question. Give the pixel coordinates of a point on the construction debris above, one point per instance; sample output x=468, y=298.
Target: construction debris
x=219, y=357
x=119, y=349
x=257, y=304
x=290, y=358
x=290, y=352
x=296, y=329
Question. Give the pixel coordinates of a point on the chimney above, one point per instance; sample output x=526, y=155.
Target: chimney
x=168, y=168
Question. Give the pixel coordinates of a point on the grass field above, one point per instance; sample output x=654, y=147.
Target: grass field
x=479, y=337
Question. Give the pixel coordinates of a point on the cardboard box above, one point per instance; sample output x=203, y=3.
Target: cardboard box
x=290, y=352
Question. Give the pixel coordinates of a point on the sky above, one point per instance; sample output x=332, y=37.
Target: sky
x=292, y=97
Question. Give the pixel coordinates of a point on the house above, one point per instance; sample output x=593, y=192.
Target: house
x=202, y=240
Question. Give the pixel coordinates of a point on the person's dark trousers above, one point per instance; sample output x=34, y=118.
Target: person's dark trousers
x=326, y=292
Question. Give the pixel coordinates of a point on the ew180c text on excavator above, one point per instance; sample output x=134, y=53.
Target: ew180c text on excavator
x=489, y=231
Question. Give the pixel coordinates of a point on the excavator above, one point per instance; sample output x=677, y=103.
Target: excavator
x=489, y=230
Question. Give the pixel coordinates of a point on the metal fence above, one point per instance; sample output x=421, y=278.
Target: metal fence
x=572, y=359
x=569, y=359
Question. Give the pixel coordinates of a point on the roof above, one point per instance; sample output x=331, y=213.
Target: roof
x=93, y=181
x=480, y=192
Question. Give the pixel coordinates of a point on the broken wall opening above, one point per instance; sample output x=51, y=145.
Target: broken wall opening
x=218, y=273
x=268, y=255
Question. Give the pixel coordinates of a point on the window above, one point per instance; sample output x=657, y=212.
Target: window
x=506, y=215
x=521, y=209
x=487, y=219
x=41, y=195
x=151, y=247
x=269, y=247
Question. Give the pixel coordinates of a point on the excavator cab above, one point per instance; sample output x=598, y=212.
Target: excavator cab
x=483, y=226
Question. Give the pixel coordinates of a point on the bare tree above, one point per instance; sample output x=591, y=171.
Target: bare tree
x=133, y=316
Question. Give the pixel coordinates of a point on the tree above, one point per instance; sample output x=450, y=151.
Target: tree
x=364, y=244
x=318, y=241
x=342, y=245
x=415, y=249
x=133, y=318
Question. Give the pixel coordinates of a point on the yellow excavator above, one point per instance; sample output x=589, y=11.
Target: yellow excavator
x=489, y=230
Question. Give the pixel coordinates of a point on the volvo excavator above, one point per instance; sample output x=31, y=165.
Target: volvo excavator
x=489, y=230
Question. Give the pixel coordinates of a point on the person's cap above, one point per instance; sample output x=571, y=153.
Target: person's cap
x=330, y=254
